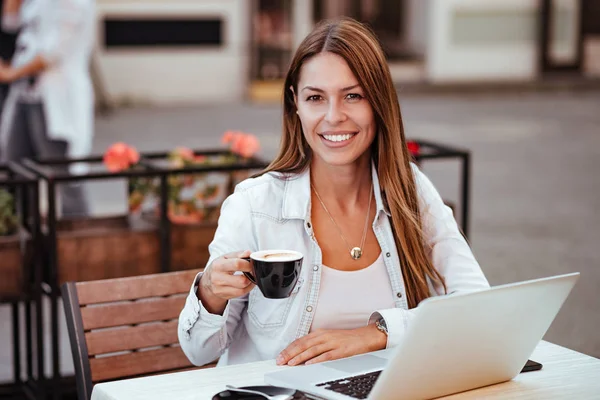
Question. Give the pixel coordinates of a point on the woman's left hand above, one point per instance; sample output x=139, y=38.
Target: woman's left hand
x=327, y=345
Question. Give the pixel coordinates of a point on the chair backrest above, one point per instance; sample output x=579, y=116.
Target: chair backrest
x=125, y=327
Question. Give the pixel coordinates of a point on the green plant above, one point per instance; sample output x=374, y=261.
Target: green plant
x=8, y=219
x=194, y=197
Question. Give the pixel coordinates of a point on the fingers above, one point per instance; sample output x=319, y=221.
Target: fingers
x=231, y=291
x=233, y=281
x=233, y=262
x=325, y=345
x=311, y=353
x=327, y=356
x=222, y=279
x=239, y=265
x=288, y=353
x=237, y=254
x=298, y=347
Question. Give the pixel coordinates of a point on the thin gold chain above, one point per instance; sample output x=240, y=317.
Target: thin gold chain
x=364, y=236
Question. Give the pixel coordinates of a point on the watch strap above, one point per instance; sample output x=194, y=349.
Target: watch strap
x=381, y=325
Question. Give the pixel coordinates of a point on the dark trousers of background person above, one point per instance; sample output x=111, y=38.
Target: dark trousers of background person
x=3, y=95
x=23, y=133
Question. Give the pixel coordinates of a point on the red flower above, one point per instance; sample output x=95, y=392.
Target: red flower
x=413, y=148
x=243, y=144
x=120, y=156
x=229, y=136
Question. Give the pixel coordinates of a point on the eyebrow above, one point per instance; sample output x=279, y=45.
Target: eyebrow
x=316, y=89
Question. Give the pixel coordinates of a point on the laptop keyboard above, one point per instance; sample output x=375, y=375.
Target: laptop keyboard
x=358, y=386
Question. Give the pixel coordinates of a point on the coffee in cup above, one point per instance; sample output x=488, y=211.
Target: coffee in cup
x=275, y=272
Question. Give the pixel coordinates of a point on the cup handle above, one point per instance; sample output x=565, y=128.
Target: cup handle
x=248, y=274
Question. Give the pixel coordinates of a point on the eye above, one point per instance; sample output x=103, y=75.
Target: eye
x=354, y=96
x=314, y=97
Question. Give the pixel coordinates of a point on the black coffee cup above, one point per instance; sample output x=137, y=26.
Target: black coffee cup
x=275, y=272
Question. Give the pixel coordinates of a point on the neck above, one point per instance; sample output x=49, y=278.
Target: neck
x=347, y=186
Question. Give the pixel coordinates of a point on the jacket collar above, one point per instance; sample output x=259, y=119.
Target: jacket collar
x=296, y=196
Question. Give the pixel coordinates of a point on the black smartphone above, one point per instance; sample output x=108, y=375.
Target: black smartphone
x=531, y=366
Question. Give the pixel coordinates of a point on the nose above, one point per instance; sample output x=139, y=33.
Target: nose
x=335, y=113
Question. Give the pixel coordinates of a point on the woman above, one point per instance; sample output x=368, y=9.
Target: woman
x=376, y=236
x=49, y=69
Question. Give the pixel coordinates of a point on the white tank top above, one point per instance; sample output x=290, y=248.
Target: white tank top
x=348, y=298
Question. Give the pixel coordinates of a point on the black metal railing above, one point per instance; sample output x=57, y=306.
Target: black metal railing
x=429, y=150
x=22, y=187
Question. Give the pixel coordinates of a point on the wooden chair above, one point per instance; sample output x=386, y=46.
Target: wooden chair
x=125, y=327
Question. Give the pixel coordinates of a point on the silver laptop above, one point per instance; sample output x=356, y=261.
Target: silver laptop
x=455, y=343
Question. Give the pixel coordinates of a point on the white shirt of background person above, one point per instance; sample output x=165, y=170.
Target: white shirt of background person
x=55, y=42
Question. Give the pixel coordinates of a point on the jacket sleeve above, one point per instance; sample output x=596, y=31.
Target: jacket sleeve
x=449, y=252
x=204, y=336
x=65, y=22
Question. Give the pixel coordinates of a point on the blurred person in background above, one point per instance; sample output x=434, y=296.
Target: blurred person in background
x=7, y=49
x=49, y=109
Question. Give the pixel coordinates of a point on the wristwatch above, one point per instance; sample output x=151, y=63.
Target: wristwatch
x=380, y=324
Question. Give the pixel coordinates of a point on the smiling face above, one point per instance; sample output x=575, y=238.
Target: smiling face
x=337, y=119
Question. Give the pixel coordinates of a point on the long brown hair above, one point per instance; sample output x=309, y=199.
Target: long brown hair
x=359, y=47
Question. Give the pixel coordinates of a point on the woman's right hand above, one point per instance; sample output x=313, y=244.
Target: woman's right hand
x=219, y=284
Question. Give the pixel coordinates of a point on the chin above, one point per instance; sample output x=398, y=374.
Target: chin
x=338, y=160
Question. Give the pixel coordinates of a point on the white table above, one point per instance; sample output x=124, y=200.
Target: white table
x=566, y=375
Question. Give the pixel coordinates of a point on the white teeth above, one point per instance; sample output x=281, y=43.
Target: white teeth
x=338, y=138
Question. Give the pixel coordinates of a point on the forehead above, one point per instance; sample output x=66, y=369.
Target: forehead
x=326, y=71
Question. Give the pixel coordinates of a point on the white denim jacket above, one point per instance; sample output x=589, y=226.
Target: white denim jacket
x=270, y=212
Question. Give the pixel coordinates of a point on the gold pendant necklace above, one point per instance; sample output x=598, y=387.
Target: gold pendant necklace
x=355, y=252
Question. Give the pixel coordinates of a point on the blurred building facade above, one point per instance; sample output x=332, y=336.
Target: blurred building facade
x=193, y=51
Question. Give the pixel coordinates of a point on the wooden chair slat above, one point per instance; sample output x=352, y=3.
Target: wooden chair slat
x=136, y=287
x=131, y=338
x=119, y=328
x=134, y=312
x=138, y=363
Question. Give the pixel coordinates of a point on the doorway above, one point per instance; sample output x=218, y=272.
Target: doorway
x=561, y=36
x=271, y=47
x=389, y=20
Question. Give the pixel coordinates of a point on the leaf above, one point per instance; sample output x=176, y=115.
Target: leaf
x=8, y=217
